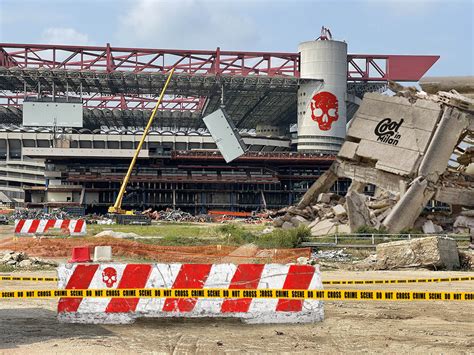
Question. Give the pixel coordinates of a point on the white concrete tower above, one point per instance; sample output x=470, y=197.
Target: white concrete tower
x=322, y=106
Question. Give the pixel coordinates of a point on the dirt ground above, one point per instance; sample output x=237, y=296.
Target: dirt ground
x=52, y=248
x=352, y=326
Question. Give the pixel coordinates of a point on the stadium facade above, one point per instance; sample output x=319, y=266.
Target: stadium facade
x=290, y=108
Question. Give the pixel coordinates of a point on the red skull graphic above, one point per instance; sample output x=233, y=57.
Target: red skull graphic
x=324, y=109
x=109, y=276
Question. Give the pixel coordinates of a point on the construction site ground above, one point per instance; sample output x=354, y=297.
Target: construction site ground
x=350, y=326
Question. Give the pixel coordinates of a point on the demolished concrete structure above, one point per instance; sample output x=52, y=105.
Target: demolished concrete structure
x=431, y=252
x=403, y=145
x=434, y=253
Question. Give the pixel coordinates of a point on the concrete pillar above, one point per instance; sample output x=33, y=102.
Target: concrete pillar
x=356, y=186
x=8, y=149
x=442, y=145
x=407, y=210
x=174, y=196
x=323, y=184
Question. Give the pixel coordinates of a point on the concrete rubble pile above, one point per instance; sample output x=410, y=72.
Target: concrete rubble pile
x=18, y=259
x=174, y=215
x=404, y=146
x=333, y=214
x=169, y=215
x=99, y=219
x=331, y=255
x=435, y=253
x=29, y=213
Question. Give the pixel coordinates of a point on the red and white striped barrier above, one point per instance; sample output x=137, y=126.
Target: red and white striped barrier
x=28, y=227
x=192, y=276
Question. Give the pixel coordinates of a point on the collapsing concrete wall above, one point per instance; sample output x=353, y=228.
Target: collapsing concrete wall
x=402, y=145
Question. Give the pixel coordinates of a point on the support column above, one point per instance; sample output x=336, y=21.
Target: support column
x=407, y=210
x=174, y=196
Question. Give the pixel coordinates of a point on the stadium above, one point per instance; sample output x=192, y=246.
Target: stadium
x=291, y=110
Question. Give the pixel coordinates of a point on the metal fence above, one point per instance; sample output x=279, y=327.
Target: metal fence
x=367, y=240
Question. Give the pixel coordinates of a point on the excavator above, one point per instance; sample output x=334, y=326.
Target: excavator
x=120, y=215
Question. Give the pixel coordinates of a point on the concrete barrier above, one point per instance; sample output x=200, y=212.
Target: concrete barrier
x=192, y=276
x=30, y=227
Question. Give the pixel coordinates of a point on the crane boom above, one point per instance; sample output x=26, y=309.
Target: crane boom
x=117, y=207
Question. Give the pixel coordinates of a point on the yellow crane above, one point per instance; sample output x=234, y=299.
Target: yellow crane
x=117, y=207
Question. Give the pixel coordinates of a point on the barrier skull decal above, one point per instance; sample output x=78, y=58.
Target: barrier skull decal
x=109, y=276
x=324, y=109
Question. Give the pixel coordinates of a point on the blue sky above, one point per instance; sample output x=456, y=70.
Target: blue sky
x=369, y=26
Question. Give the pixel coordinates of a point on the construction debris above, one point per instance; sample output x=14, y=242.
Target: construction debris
x=464, y=224
x=30, y=213
x=466, y=259
x=358, y=211
x=169, y=215
x=338, y=215
x=303, y=260
x=433, y=253
x=18, y=259
x=404, y=146
x=332, y=255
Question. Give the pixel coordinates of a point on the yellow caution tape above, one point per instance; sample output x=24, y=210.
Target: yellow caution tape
x=402, y=281
x=329, y=282
x=28, y=278
x=330, y=295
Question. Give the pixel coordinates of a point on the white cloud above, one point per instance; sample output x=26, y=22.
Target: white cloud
x=196, y=24
x=64, y=35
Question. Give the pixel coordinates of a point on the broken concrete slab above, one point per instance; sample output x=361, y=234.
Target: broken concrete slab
x=367, y=175
x=340, y=229
x=430, y=252
x=293, y=210
x=339, y=211
x=428, y=227
x=357, y=186
x=322, y=184
x=20, y=259
x=467, y=213
x=456, y=195
x=299, y=221
x=348, y=150
x=329, y=214
x=464, y=224
x=444, y=140
x=278, y=222
x=380, y=203
x=313, y=223
x=357, y=211
x=324, y=197
x=322, y=228
x=404, y=214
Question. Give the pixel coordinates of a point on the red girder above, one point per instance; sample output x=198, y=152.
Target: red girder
x=367, y=67
x=138, y=60
x=361, y=67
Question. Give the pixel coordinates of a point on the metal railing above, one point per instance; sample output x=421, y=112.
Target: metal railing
x=371, y=240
